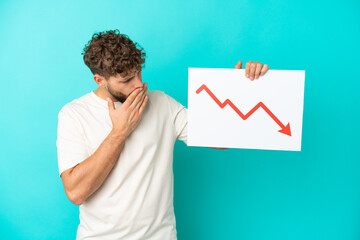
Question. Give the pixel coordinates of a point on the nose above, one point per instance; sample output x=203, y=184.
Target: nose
x=138, y=81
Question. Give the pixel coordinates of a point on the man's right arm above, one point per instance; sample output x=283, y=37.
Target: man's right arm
x=86, y=177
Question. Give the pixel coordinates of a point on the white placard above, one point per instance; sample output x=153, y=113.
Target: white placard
x=228, y=110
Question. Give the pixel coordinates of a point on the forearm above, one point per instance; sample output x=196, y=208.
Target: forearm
x=86, y=177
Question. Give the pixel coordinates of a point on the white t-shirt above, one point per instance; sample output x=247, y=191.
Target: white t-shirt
x=136, y=199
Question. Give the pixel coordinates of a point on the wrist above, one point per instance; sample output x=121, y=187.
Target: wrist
x=118, y=135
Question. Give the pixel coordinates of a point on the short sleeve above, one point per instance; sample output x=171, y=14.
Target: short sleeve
x=179, y=116
x=71, y=146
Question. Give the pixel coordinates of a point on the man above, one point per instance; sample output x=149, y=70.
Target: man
x=115, y=145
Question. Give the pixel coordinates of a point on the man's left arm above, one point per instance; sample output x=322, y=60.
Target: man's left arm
x=253, y=70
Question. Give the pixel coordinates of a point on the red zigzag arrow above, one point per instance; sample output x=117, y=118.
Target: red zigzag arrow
x=284, y=130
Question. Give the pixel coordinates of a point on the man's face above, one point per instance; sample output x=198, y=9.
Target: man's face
x=121, y=87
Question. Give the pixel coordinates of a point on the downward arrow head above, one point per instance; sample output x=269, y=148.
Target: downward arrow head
x=286, y=130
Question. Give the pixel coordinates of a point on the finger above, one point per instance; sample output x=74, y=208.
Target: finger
x=130, y=99
x=257, y=70
x=138, y=105
x=252, y=70
x=247, y=69
x=110, y=104
x=264, y=69
x=137, y=99
x=143, y=105
x=238, y=65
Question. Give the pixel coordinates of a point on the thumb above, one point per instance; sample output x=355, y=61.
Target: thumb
x=110, y=104
x=238, y=65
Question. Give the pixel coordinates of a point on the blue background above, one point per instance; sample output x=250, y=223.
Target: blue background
x=219, y=194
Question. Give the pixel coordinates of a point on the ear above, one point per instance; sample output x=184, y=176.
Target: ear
x=99, y=80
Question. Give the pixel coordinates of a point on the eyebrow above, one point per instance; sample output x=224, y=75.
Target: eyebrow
x=127, y=79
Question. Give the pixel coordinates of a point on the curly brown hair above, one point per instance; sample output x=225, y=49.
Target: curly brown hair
x=109, y=53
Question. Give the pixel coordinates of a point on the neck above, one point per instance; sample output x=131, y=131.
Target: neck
x=103, y=94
